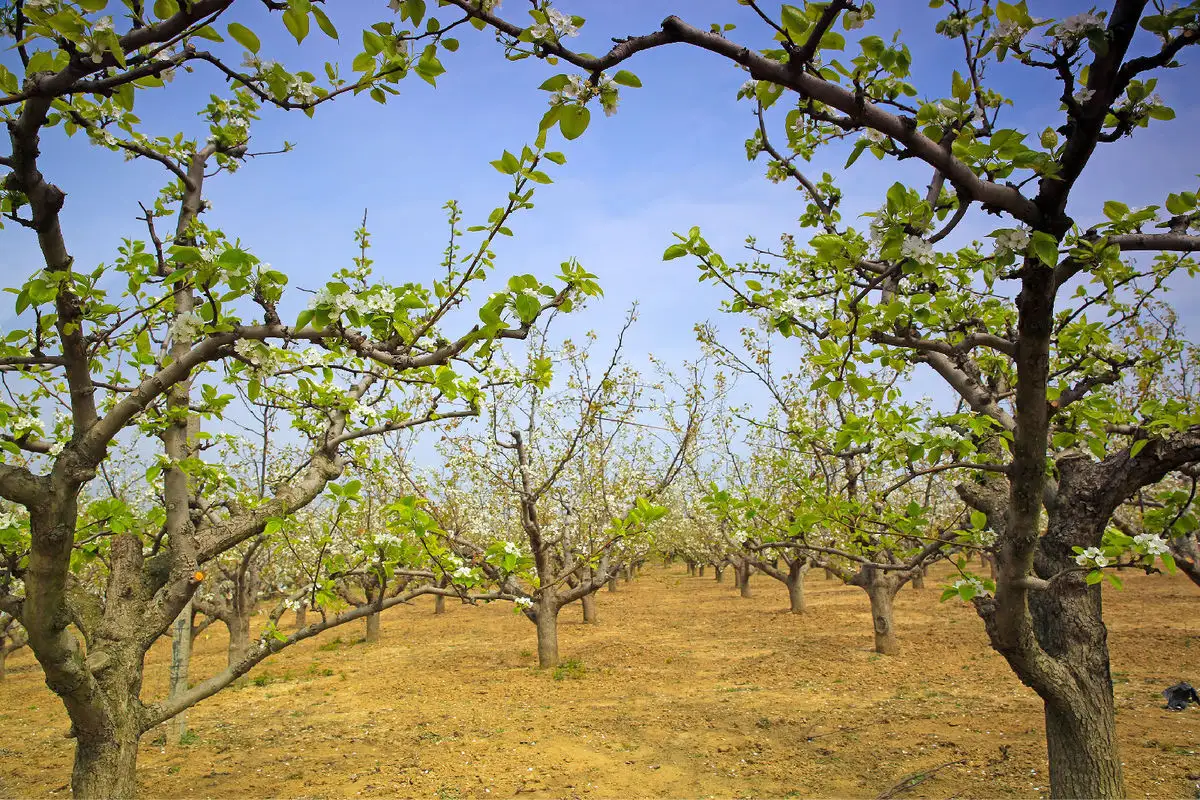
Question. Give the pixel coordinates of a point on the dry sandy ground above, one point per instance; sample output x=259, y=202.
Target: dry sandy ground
x=684, y=689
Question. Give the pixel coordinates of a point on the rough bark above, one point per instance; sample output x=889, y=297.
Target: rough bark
x=372, y=634
x=918, y=578
x=719, y=572
x=239, y=636
x=612, y=584
x=181, y=657
x=547, y=634
x=882, y=619
x=439, y=604
x=302, y=615
x=744, y=580
x=795, y=586
x=701, y=571
x=589, y=609
x=106, y=764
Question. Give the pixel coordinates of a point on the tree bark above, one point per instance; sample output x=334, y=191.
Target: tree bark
x=589, y=609
x=795, y=586
x=302, y=615
x=372, y=628
x=828, y=574
x=612, y=583
x=439, y=604
x=701, y=571
x=547, y=634
x=881, y=616
x=744, y=582
x=691, y=567
x=106, y=765
x=918, y=578
x=719, y=572
x=239, y=636
x=3, y=661
x=181, y=658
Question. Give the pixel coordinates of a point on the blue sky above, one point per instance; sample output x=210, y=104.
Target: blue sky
x=672, y=157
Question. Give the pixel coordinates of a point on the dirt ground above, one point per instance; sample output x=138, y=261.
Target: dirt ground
x=684, y=689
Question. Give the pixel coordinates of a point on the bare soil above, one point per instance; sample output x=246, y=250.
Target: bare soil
x=684, y=689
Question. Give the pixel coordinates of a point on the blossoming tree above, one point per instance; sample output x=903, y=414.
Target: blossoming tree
x=1020, y=329
x=149, y=345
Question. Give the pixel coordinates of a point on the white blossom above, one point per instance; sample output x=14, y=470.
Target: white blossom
x=186, y=327
x=1152, y=543
x=523, y=602
x=1012, y=240
x=1077, y=26
x=853, y=20
x=1092, y=555
x=556, y=26
x=1083, y=96
x=917, y=249
x=103, y=24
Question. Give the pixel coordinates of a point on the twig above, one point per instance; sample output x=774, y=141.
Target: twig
x=916, y=779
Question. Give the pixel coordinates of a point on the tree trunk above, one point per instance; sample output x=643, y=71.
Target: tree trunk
x=882, y=593
x=239, y=636
x=106, y=763
x=589, y=608
x=691, y=568
x=701, y=570
x=918, y=578
x=372, y=628
x=795, y=585
x=3, y=659
x=828, y=574
x=181, y=658
x=744, y=583
x=439, y=604
x=1080, y=716
x=612, y=583
x=720, y=573
x=547, y=635
x=628, y=573
x=302, y=615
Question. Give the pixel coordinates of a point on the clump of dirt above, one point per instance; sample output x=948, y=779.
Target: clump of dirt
x=683, y=689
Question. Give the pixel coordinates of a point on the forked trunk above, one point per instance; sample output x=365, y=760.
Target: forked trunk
x=106, y=764
x=547, y=634
x=372, y=628
x=589, y=608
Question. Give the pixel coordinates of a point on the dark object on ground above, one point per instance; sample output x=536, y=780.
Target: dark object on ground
x=1179, y=695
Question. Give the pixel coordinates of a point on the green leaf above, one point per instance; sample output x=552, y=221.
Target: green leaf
x=1045, y=247
x=296, y=21
x=507, y=164
x=165, y=8
x=626, y=78
x=675, y=251
x=324, y=24
x=1137, y=447
x=244, y=36
x=979, y=520
x=573, y=121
